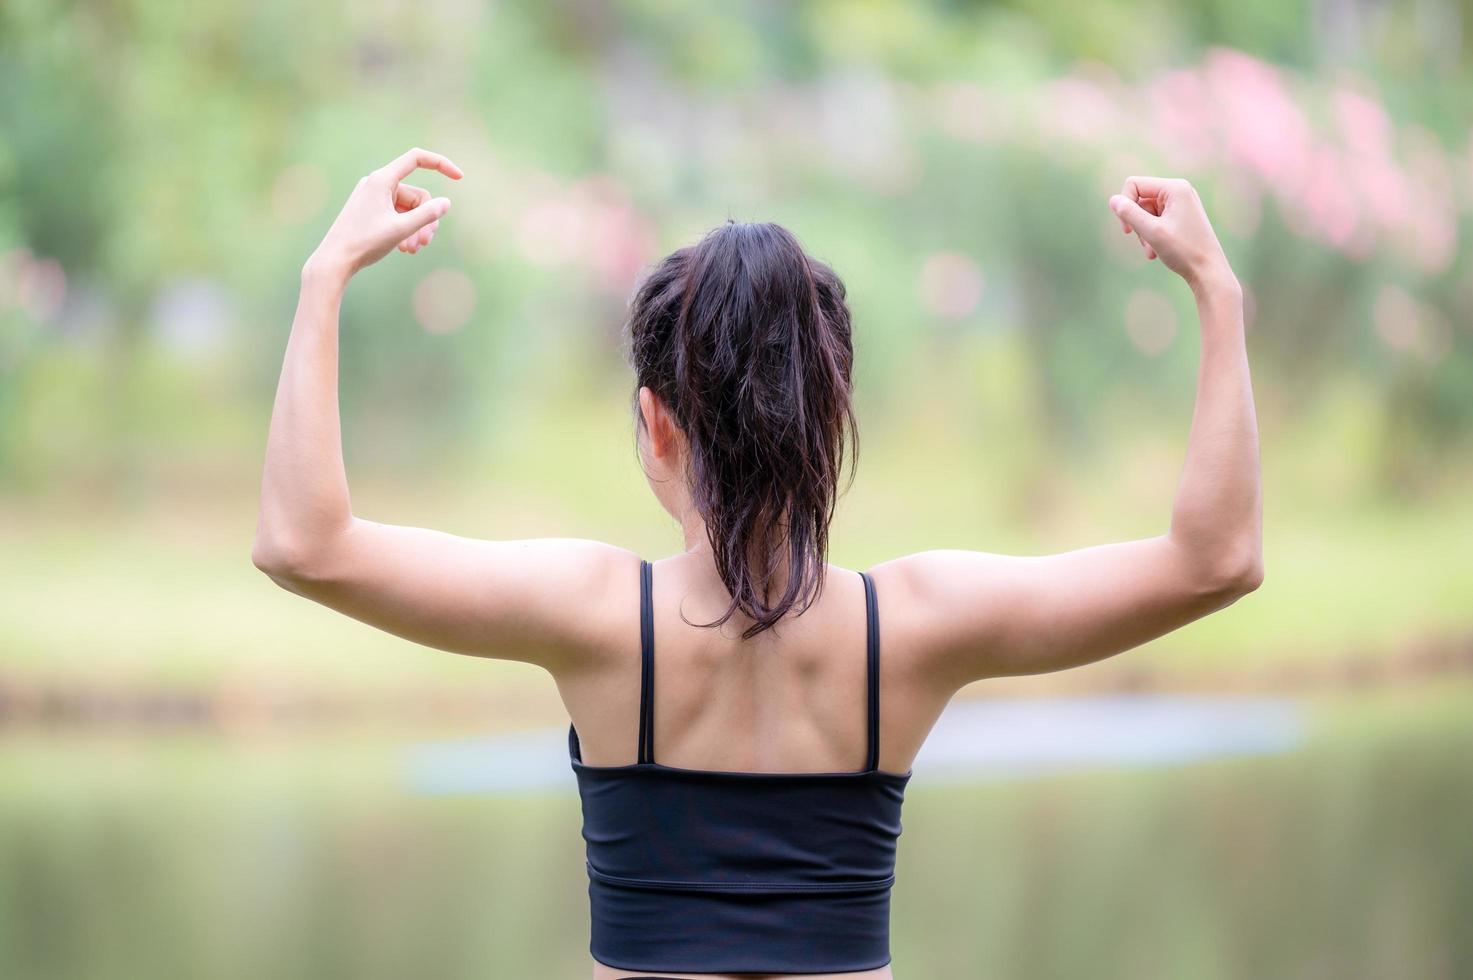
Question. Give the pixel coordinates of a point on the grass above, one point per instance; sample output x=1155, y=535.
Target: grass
x=160, y=592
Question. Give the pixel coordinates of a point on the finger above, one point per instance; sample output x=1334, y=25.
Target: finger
x=415, y=159
x=1141, y=221
x=421, y=237
x=1146, y=247
x=1147, y=191
x=411, y=238
x=407, y=197
x=411, y=222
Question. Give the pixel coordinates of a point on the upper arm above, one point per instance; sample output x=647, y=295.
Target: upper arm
x=540, y=600
x=970, y=615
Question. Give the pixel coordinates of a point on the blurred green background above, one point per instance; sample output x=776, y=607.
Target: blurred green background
x=203, y=776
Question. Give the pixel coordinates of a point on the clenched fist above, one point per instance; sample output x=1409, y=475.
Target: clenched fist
x=1167, y=216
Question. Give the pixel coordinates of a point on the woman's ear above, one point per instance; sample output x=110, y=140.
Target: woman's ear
x=658, y=424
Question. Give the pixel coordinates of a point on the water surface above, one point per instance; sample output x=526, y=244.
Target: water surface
x=973, y=740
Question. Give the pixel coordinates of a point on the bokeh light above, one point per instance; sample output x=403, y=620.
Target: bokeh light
x=1150, y=321
x=444, y=300
x=950, y=285
x=41, y=287
x=298, y=194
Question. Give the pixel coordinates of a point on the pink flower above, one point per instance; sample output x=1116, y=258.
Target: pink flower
x=1264, y=128
x=1329, y=200
x=1364, y=126
x=1181, y=118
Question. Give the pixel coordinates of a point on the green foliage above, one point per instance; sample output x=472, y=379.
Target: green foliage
x=146, y=145
x=164, y=170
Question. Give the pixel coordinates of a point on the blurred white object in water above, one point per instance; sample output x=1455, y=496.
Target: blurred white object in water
x=973, y=741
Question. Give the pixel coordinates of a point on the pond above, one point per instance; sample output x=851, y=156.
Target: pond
x=973, y=739
x=1101, y=838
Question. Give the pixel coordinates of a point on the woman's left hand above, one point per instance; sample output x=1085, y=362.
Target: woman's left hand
x=383, y=212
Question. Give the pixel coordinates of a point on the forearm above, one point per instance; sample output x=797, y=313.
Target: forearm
x=304, y=488
x=1216, y=520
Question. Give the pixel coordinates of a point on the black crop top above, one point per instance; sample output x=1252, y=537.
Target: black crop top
x=707, y=871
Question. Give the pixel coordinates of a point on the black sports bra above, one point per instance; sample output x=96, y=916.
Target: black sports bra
x=708, y=871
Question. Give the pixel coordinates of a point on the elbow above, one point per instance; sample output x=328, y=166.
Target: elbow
x=1242, y=580
x=1236, y=573
x=1221, y=567
x=274, y=558
x=1253, y=575
x=286, y=562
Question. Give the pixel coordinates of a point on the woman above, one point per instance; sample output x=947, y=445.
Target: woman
x=763, y=840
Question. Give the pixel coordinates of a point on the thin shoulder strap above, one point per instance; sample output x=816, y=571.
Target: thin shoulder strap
x=646, y=664
x=872, y=660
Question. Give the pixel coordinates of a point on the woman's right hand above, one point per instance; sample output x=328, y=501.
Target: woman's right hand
x=1167, y=216
x=384, y=212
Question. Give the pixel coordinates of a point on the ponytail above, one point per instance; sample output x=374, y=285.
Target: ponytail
x=747, y=341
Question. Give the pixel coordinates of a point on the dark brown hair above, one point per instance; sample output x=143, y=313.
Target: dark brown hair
x=746, y=340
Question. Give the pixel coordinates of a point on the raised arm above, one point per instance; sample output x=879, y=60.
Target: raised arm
x=969, y=615
x=494, y=598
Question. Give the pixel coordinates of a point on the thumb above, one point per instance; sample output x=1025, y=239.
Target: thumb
x=413, y=220
x=1141, y=221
